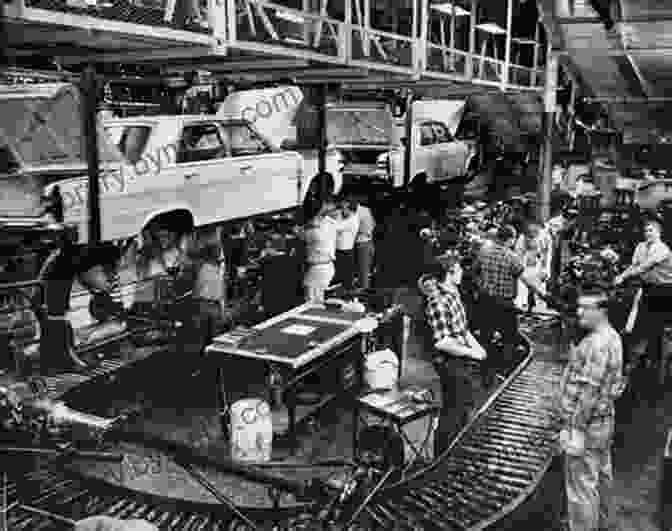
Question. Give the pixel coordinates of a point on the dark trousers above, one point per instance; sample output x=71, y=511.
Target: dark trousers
x=365, y=253
x=652, y=317
x=497, y=315
x=345, y=268
x=461, y=381
x=201, y=317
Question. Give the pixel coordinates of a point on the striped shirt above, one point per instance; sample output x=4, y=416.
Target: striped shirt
x=445, y=314
x=499, y=269
x=593, y=379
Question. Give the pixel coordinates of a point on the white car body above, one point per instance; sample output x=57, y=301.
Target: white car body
x=231, y=173
x=436, y=154
x=273, y=112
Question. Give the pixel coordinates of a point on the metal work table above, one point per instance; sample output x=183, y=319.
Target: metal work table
x=306, y=341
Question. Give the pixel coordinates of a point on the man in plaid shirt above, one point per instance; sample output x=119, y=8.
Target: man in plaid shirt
x=498, y=269
x=456, y=354
x=592, y=381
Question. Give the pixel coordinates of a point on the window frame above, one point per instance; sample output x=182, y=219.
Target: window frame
x=217, y=153
x=226, y=126
x=431, y=129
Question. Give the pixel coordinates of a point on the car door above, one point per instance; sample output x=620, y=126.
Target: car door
x=203, y=160
x=422, y=155
x=147, y=182
x=447, y=152
x=265, y=179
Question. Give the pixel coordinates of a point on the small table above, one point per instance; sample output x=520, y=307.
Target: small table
x=399, y=407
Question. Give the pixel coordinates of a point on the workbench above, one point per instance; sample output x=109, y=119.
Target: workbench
x=292, y=348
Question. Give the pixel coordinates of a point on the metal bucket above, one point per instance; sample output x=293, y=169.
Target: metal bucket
x=381, y=370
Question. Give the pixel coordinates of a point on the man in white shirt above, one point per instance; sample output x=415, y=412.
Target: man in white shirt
x=346, y=232
x=364, y=246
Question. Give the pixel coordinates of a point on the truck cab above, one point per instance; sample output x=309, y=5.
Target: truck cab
x=440, y=151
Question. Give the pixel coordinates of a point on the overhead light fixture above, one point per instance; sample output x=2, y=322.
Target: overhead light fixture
x=449, y=9
x=290, y=17
x=492, y=28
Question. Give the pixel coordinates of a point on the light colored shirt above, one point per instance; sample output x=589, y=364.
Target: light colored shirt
x=366, y=224
x=320, y=240
x=346, y=232
x=593, y=380
x=660, y=255
x=209, y=282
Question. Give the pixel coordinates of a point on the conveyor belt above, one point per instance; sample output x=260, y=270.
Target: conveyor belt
x=491, y=468
x=57, y=386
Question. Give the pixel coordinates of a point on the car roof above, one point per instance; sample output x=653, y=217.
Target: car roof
x=130, y=120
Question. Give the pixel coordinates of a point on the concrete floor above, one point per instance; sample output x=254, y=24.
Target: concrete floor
x=192, y=419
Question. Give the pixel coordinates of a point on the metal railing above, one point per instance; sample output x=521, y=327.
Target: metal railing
x=446, y=60
x=378, y=46
x=269, y=23
x=156, y=13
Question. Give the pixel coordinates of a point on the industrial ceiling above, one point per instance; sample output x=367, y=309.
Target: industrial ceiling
x=623, y=51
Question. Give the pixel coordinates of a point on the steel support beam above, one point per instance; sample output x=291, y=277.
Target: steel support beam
x=628, y=101
x=507, y=52
x=408, y=133
x=322, y=126
x=89, y=90
x=545, y=180
x=641, y=19
x=473, y=21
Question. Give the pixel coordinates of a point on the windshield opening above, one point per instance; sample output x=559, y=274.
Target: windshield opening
x=130, y=140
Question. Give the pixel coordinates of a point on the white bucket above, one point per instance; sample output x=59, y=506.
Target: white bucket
x=251, y=429
x=381, y=370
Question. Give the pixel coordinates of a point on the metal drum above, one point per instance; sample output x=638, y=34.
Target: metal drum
x=251, y=430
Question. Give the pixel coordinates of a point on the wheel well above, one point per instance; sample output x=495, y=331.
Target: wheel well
x=178, y=221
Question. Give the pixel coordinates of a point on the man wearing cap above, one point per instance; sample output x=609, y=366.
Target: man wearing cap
x=457, y=354
x=498, y=269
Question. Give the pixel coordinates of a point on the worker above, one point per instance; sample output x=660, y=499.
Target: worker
x=207, y=306
x=158, y=260
x=498, y=269
x=346, y=233
x=95, y=268
x=319, y=235
x=364, y=244
x=591, y=383
x=457, y=353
